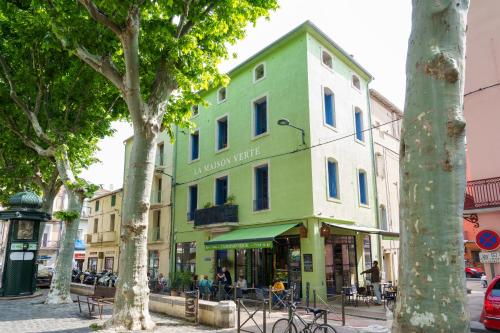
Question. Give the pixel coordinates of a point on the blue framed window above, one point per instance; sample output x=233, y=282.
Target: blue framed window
x=329, y=108
x=221, y=190
x=260, y=117
x=195, y=146
x=261, y=201
x=193, y=201
x=358, y=119
x=332, y=179
x=222, y=133
x=363, y=189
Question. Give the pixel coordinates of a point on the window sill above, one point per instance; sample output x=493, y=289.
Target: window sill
x=223, y=101
x=193, y=161
x=261, y=211
x=260, y=136
x=218, y=151
x=335, y=200
x=258, y=80
x=333, y=128
x=364, y=205
x=363, y=143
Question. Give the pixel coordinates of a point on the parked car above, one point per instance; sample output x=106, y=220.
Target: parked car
x=44, y=276
x=490, y=316
x=473, y=272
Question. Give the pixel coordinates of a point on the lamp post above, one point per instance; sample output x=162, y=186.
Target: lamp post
x=286, y=122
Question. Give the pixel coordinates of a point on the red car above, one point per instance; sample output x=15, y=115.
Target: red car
x=490, y=316
x=473, y=272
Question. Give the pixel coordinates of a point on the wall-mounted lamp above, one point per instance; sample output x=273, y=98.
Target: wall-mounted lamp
x=286, y=122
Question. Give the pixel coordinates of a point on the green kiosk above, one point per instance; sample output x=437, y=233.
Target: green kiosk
x=19, y=226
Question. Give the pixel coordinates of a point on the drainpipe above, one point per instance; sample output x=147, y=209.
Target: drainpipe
x=374, y=178
x=172, y=202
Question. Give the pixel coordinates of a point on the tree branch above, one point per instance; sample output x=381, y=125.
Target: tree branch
x=99, y=16
x=49, y=152
x=189, y=24
x=183, y=18
x=103, y=65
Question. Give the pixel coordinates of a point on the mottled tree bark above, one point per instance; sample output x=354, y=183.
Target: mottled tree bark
x=432, y=294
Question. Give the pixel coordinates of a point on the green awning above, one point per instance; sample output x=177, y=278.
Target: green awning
x=249, y=238
x=367, y=230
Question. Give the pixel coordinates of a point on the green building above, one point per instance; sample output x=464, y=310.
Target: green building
x=254, y=195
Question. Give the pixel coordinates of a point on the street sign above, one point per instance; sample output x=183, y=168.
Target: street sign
x=487, y=240
x=489, y=257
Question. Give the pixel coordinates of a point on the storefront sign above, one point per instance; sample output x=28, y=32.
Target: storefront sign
x=308, y=262
x=489, y=257
x=32, y=247
x=79, y=255
x=227, y=161
x=487, y=240
x=16, y=246
x=235, y=246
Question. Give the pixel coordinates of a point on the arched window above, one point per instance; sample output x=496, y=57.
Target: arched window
x=363, y=187
x=327, y=59
x=383, y=218
x=358, y=120
x=221, y=95
x=333, y=179
x=329, y=106
x=259, y=72
x=355, y=82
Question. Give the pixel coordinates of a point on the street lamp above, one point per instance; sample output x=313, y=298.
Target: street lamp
x=286, y=122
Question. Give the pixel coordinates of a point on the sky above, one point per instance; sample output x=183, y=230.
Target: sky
x=374, y=32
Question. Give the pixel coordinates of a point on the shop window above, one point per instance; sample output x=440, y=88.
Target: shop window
x=340, y=263
x=363, y=191
x=108, y=263
x=193, y=201
x=259, y=72
x=195, y=146
x=221, y=190
x=355, y=82
x=358, y=120
x=185, y=257
x=153, y=263
x=367, y=251
x=221, y=95
x=260, y=116
x=383, y=218
x=332, y=179
x=261, y=200
x=329, y=107
x=112, y=222
x=222, y=133
x=113, y=200
x=327, y=59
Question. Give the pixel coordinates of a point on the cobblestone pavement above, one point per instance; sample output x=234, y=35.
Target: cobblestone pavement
x=31, y=315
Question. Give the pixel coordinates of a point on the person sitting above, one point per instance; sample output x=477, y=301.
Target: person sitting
x=241, y=286
x=278, y=290
x=205, y=286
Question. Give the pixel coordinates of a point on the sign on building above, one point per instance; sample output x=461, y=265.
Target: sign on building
x=489, y=257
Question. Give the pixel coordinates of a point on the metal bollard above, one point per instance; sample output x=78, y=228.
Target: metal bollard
x=264, y=317
x=238, y=309
x=314, y=298
x=308, y=286
x=270, y=299
x=343, y=309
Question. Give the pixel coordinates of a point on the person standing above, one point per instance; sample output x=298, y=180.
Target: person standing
x=375, y=280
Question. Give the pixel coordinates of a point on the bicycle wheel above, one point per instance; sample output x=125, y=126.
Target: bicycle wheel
x=283, y=326
x=324, y=328
x=390, y=304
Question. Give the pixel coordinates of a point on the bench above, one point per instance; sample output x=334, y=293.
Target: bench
x=102, y=296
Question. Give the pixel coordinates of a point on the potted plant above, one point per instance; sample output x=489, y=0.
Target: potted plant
x=174, y=283
x=185, y=280
x=231, y=199
x=207, y=205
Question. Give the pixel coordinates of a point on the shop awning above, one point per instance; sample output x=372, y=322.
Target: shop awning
x=367, y=230
x=249, y=238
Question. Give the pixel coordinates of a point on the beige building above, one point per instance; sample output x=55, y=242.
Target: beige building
x=103, y=231
x=386, y=121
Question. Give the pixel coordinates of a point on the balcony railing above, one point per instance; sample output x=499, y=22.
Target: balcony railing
x=482, y=193
x=216, y=216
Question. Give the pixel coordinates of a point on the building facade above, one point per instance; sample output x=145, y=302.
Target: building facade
x=159, y=228
x=277, y=179
x=386, y=124
x=103, y=231
x=482, y=96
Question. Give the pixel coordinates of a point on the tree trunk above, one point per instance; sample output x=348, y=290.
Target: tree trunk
x=131, y=310
x=61, y=280
x=432, y=294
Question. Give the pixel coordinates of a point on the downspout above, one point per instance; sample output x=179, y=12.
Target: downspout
x=374, y=178
x=172, y=203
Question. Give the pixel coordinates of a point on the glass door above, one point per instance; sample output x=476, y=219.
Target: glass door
x=340, y=261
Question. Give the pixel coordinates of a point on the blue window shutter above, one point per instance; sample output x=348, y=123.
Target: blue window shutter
x=194, y=146
x=193, y=198
x=261, y=188
x=359, y=126
x=329, y=109
x=332, y=179
x=362, y=188
x=222, y=134
x=260, y=117
x=220, y=191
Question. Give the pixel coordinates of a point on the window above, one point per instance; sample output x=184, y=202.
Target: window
x=112, y=222
x=185, y=257
x=367, y=249
x=221, y=95
x=261, y=201
x=108, y=263
x=158, y=188
x=358, y=120
x=332, y=179
x=355, y=82
x=222, y=133
x=221, y=190
x=153, y=263
x=195, y=146
x=383, y=218
x=113, y=200
x=259, y=73
x=193, y=201
x=79, y=234
x=327, y=59
x=379, y=164
x=260, y=116
x=159, y=157
x=194, y=110
x=92, y=264
x=97, y=206
x=329, y=107
x=156, y=225
x=96, y=225
x=363, y=191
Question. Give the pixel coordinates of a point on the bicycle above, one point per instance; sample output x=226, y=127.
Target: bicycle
x=390, y=300
x=287, y=325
